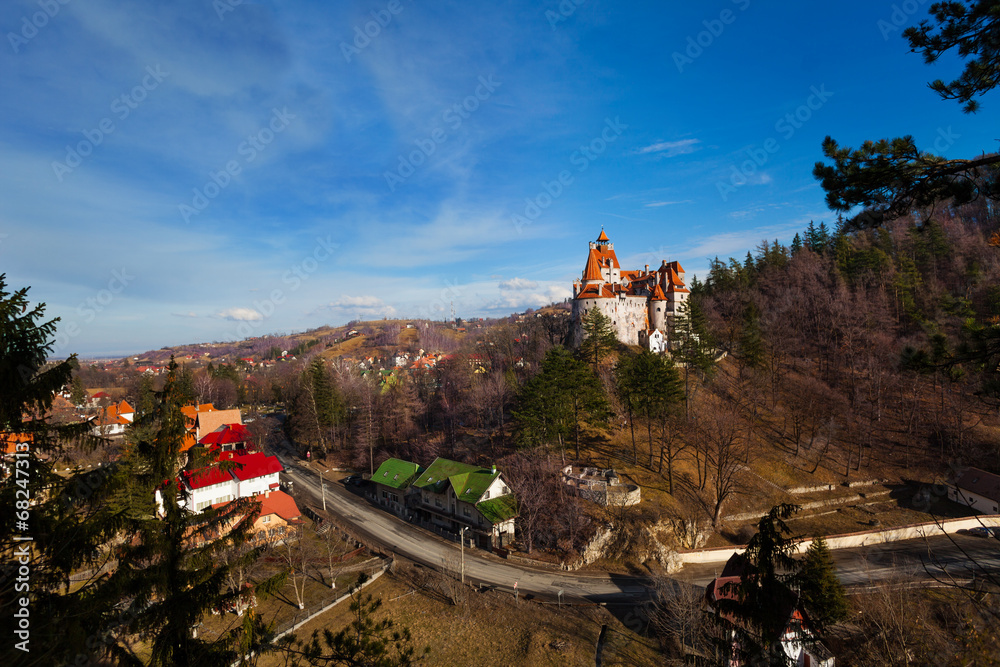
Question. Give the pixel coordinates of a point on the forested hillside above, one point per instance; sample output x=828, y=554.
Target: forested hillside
x=870, y=336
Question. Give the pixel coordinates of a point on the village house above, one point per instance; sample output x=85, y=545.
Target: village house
x=279, y=515
x=449, y=495
x=246, y=476
x=392, y=483
x=113, y=419
x=978, y=489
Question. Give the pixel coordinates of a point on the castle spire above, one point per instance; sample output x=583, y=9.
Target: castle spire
x=603, y=238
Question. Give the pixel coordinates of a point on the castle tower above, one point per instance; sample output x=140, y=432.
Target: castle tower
x=658, y=309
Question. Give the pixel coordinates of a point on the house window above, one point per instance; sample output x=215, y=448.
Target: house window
x=437, y=501
x=486, y=495
x=465, y=510
x=267, y=519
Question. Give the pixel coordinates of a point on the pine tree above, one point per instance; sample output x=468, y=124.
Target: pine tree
x=160, y=583
x=796, y=244
x=600, y=338
x=185, y=390
x=649, y=384
x=146, y=400
x=823, y=596
x=755, y=602
x=77, y=393
x=554, y=402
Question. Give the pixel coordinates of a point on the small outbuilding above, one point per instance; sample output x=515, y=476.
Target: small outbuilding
x=978, y=489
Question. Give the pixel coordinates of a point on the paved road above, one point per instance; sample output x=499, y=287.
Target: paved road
x=917, y=560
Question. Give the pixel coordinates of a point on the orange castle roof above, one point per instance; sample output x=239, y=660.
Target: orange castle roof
x=603, y=237
x=593, y=269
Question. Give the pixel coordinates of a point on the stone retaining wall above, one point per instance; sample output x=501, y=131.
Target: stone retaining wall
x=861, y=539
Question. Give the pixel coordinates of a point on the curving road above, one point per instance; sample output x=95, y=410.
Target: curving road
x=910, y=562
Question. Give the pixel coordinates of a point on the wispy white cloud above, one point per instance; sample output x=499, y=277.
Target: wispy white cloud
x=672, y=148
x=240, y=315
x=657, y=204
x=189, y=314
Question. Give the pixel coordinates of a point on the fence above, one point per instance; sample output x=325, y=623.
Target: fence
x=303, y=616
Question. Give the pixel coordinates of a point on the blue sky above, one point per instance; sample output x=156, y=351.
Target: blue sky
x=197, y=171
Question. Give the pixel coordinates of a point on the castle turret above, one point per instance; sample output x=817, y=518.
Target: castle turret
x=657, y=309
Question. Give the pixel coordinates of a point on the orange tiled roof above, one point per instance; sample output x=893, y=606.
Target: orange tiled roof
x=593, y=269
x=606, y=256
x=114, y=414
x=603, y=236
x=658, y=294
x=280, y=503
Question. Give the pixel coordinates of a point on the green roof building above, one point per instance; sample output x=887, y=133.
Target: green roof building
x=392, y=482
x=449, y=496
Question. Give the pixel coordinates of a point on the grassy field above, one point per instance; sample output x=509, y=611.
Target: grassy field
x=463, y=626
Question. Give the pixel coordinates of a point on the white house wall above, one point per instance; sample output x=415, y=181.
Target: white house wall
x=974, y=500
x=257, y=485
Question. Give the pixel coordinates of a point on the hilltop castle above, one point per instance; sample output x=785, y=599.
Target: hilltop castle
x=639, y=303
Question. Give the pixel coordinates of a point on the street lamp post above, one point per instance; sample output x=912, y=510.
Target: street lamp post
x=461, y=537
x=322, y=486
